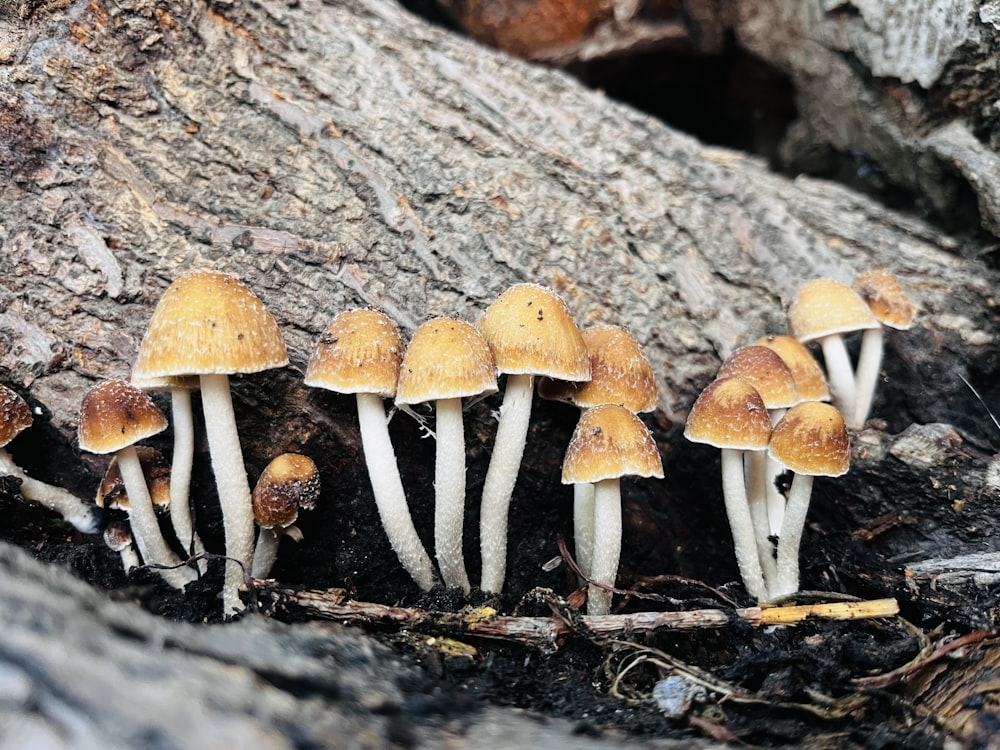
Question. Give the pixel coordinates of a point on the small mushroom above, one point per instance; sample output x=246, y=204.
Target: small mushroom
x=290, y=483
x=15, y=416
x=609, y=442
x=118, y=538
x=530, y=332
x=446, y=360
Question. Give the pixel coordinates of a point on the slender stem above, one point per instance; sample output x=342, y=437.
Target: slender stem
x=390, y=499
x=583, y=525
x=839, y=373
x=508, y=449
x=265, y=553
x=86, y=517
x=773, y=470
x=145, y=527
x=232, y=484
x=791, y=535
x=866, y=378
x=755, y=467
x=449, y=493
x=180, y=474
x=607, y=544
x=740, y=523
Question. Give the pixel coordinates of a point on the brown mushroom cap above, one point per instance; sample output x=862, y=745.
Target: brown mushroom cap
x=808, y=375
x=812, y=439
x=446, y=358
x=289, y=483
x=111, y=491
x=15, y=415
x=610, y=442
x=208, y=322
x=360, y=352
x=766, y=371
x=886, y=298
x=116, y=414
x=824, y=307
x=620, y=373
x=729, y=413
x=531, y=332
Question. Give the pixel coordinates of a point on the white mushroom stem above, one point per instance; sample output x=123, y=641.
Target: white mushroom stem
x=145, y=528
x=498, y=487
x=390, y=498
x=84, y=516
x=129, y=558
x=866, y=377
x=756, y=467
x=775, y=500
x=839, y=373
x=233, y=486
x=449, y=493
x=180, y=474
x=583, y=525
x=787, y=581
x=607, y=544
x=734, y=492
x=266, y=551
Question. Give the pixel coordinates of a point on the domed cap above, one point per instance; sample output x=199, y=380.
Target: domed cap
x=208, y=322
x=111, y=491
x=766, y=372
x=825, y=307
x=810, y=381
x=729, y=413
x=116, y=414
x=812, y=439
x=15, y=415
x=886, y=298
x=360, y=352
x=530, y=332
x=289, y=483
x=619, y=373
x=610, y=442
x=446, y=358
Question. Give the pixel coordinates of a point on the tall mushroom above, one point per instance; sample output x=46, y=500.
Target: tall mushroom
x=609, y=442
x=114, y=416
x=289, y=483
x=530, y=332
x=893, y=309
x=210, y=324
x=729, y=414
x=446, y=360
x=360, y=352
x=15, y=416
x=810, y=440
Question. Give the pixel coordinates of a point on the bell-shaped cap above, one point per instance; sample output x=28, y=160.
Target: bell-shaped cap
x=15, y=415
x=825, y=307
x=610, y=442
x=360, y=352
x=729, y=413
x=114, y=415
x=446, y=358
x=812, y=439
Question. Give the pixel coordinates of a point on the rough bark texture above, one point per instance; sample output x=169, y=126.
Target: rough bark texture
x=336, y=155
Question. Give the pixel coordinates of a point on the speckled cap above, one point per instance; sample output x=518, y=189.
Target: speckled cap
x=766, y=371
x=116, y=414
x=446, y=358
x=15, y=415
x=111, y=491
x=812, y=439
x=824, y=307
x=289, y=483
x=809, y=378
x=886, y=298
x=360, y=352
x=729, y=413
x=610, y=442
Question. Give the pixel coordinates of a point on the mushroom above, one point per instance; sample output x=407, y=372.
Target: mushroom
x=182, y=424
x=114, y=416
x=620, y=374
x=609, y=442
x=290, y=483
x=729, y=414
x=810, y=440
x=210, y=324
x=118, y=538
x=360, y=352
x=893, y=309
x=446, y=360
x=823, y=310
x=15, y=416
x=530, y=332
x=155, y=470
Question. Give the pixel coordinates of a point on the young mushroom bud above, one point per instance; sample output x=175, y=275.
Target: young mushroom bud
x=118, y=538
x=290, y=483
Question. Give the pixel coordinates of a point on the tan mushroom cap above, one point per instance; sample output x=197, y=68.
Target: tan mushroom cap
x=208, y=322
x=289, y=483
x=812, y=439
x=808, y=375
x=824, y=307
x=610, y=442
x=766, y=371
x=620, y=373
x=15, y=415
x=446, y=358
x=111, y=491
x=886, y=298
x=116, y=414
x=729, y=413
x=531, y=332
x=360, y=352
